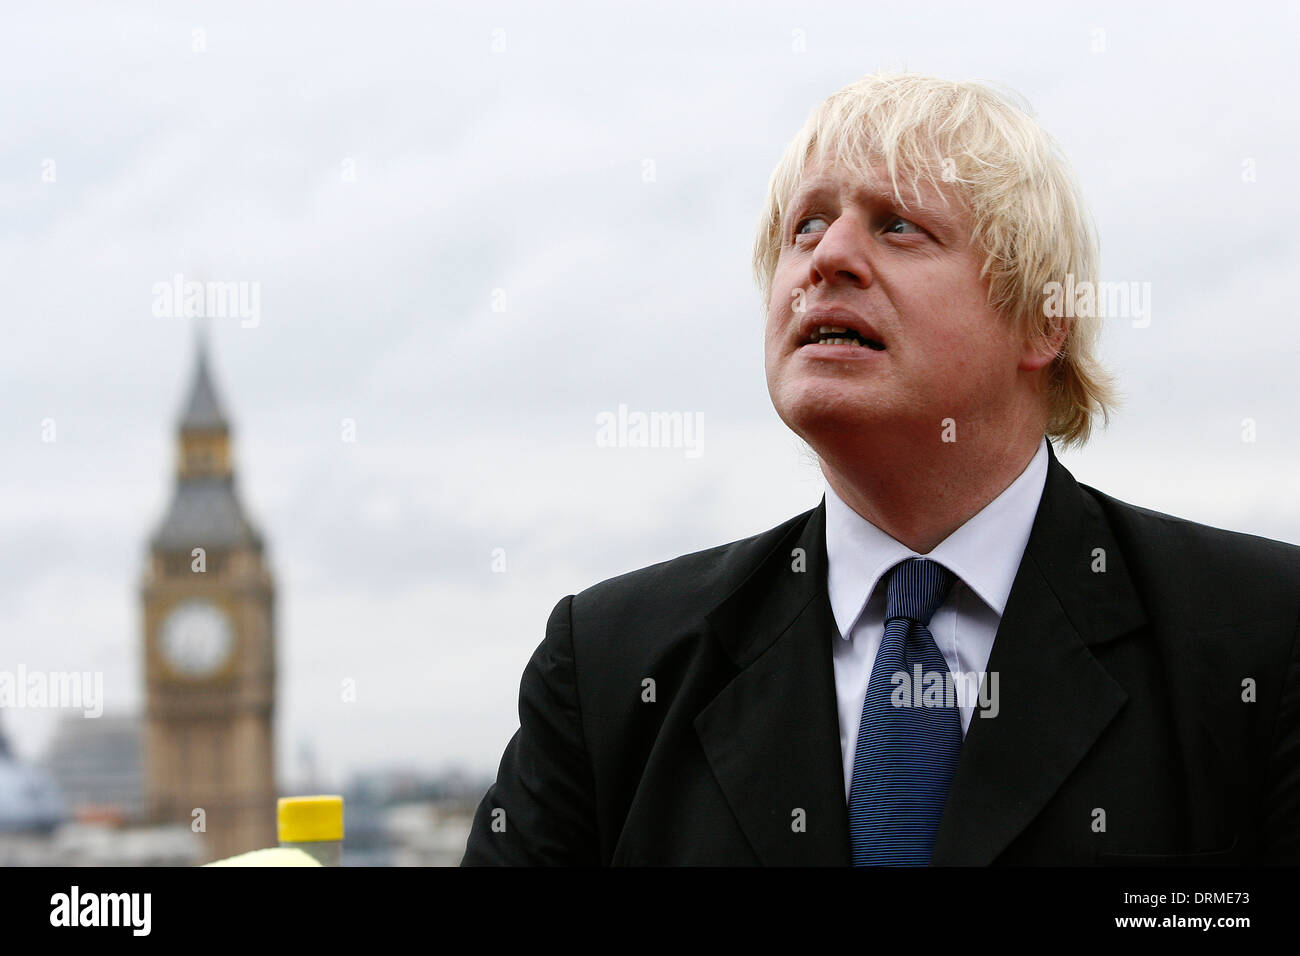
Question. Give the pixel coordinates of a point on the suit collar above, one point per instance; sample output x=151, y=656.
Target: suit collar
x=1073, y=547
x=772, y=734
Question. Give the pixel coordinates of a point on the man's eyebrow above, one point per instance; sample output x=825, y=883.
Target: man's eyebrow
x=874, y=192
x=808, y=190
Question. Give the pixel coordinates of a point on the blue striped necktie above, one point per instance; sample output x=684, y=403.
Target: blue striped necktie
x=906, y=754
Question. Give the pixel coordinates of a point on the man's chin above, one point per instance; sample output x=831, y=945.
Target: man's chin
x=831, y=417
x=832, y=420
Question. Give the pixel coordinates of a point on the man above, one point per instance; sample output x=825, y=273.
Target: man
x=794, y=698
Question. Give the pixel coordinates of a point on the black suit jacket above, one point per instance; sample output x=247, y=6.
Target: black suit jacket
x=1148, y=712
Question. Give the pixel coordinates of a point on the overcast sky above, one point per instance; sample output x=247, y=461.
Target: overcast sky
x=389, y=174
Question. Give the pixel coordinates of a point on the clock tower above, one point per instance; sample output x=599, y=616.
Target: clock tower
x=209, y=646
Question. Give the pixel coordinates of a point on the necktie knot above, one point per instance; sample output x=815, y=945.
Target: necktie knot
x=917, y=587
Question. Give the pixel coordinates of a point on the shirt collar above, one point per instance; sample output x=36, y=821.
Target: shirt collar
x=984, y=553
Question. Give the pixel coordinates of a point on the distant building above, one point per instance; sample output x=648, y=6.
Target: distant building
x=97, y=764
x=404, y=817
x=100, y=758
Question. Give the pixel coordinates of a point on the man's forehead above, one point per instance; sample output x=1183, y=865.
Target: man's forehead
x=867, y=179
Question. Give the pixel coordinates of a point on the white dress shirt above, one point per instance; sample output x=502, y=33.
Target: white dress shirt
x=984, y=554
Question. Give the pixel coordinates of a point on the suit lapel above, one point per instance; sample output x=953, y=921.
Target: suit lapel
x=1055, y=698
x=772, y=734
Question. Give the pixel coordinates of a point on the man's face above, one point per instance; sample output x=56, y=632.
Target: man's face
x=909, y=281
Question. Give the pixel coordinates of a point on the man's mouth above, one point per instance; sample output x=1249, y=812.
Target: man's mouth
x=837, y=335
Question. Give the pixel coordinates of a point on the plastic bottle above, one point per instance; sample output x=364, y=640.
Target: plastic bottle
x=314, y=825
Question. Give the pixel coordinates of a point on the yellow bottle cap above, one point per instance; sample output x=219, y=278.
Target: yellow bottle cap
x=310, y=819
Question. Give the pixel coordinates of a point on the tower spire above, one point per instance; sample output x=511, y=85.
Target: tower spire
x=205, y=511
x=203, y=410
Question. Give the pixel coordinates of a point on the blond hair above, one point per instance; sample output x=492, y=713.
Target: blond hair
x=1029, y=219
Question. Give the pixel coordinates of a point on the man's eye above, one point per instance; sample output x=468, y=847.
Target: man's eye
x=900, y=221
x=798, y=229
x=897, y=225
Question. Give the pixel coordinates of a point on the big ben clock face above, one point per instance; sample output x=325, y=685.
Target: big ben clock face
x=196, y=639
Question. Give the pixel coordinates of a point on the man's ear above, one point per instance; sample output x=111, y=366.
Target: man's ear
x=1039, y=352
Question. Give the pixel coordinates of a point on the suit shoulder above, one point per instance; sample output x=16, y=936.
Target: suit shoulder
x=1189, y=547
x=689, y=585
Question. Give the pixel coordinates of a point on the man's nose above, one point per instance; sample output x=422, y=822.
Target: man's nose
x=843, y=253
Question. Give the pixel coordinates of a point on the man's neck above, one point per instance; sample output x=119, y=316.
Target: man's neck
x=918, y=497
